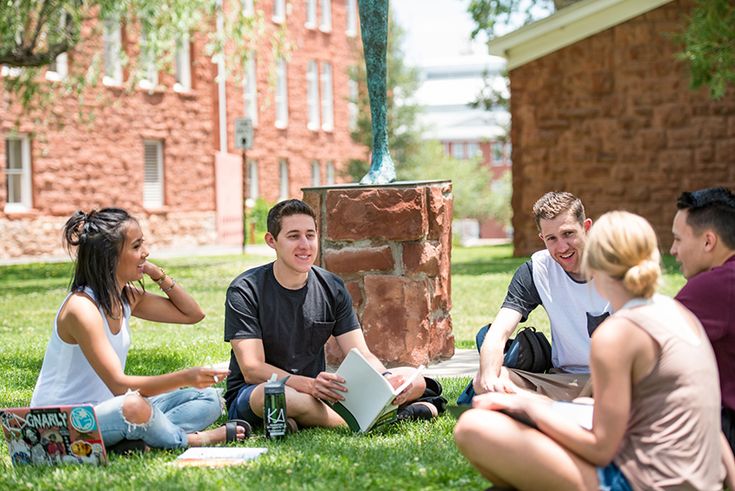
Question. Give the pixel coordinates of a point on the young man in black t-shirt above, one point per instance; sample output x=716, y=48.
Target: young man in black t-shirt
x=278, y=317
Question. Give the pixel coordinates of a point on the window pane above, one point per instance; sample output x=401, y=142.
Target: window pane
x=326, y=24
x=14, y=154
x=312, y=89
x=14, y=187
x=327, y=108
x=310, y=13
x=253, y=179
x=316, y=178
x=153, y=174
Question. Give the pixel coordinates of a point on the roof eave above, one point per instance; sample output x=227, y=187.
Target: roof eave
x=566, y=27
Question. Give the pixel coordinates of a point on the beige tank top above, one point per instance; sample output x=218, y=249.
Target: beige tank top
x=673, y=435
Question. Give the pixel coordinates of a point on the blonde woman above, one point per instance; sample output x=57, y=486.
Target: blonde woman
x=656, y=417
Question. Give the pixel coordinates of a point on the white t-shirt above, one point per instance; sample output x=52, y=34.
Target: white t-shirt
x=574, y=308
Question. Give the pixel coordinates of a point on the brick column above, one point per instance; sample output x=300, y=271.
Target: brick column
x=391, y=244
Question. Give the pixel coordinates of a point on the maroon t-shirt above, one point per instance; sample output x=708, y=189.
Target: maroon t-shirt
x=711, y=296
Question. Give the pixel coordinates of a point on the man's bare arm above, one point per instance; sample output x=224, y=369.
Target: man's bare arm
x=491, y=353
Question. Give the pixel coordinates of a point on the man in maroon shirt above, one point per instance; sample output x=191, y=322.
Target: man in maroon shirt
x=704, y=246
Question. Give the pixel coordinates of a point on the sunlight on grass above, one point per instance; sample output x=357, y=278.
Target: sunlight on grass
x=416, y=455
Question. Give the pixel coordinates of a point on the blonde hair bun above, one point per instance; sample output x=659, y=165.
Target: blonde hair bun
x=624, y=246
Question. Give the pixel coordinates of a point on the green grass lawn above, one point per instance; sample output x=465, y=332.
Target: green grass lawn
x=416, y=455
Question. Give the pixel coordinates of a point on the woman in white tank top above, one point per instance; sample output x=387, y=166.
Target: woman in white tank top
x=655, y=422
x=85, y=358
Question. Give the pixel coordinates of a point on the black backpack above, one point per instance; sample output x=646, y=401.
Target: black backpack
x=529, y=351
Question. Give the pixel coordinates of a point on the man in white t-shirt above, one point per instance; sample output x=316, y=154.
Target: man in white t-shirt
x=551, y=278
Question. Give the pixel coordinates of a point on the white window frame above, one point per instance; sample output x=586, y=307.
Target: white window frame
x=312, y=95
x=279, y=11
x=281, y=96
x=150, y=79
x=26, y=189
x=113, y=48
x=282, y=179
x=59, y=68
x=310, y=14
x=330, y=172
x=183, y=64
x=327, y=97
x=316, y=173
x=253, y=188
x=250, y=89
x=497, y=153
x=325, y=21
x=153, y=189
x=458, y=150
x=248, y=8
x=351, y=27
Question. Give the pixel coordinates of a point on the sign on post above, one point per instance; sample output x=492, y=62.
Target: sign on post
x=243, y=133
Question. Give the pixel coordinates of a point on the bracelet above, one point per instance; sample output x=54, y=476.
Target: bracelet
x=162, y=278
x=173, y=284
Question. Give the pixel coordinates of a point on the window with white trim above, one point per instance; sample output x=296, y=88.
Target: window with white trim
x=253, y=179
x=498, y=153
x=326, y=21
x=352, y=108
x=153, y=174
x=18, y=173
x=330, y=172
x=183, y=64
x=282, y=179
x=248, y=8
x=351, y=28
x=281, y=94
x=149, y=78
x=113, y=48
x=316, y=173
x=473, y=150
x=250, y=89
x=327, y=102
x=279, y=11
x=58, y=69
x=312, y=95
x=310, y=14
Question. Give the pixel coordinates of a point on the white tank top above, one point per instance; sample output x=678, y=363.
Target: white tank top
x=66, y=375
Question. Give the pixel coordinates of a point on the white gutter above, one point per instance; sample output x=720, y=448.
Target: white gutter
x=567, y=26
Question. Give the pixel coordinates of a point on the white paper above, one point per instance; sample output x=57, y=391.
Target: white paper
x=221, y=453
x=579, y=413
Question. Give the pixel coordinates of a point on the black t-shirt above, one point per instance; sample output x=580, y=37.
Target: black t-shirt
x=292, y=324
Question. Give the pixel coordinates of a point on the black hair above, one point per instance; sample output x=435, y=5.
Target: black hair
x=284, y=209
x=711, y=208
x=98, y=238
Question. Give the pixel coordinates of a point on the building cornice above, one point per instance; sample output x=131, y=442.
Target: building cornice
x=567, y=26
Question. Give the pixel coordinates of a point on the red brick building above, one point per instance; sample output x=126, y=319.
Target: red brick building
x=158, y=151
x=601, y=107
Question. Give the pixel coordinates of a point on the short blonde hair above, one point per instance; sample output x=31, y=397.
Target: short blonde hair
x=624, y=246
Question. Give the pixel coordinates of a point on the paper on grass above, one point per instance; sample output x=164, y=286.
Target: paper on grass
x=217, y=456
x=369, y=397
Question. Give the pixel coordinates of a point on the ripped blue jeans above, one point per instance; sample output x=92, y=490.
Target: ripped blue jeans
x=174, y=414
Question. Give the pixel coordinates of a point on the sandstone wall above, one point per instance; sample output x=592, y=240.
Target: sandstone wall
x=392, y=247
x=611, y=119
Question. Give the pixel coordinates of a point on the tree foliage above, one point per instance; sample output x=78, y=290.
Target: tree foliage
x=404, y=134
x=471, y=181
x=708, y=40
x=709, y=46
x=34, y=32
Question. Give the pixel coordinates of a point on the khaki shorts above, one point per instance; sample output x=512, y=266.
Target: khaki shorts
x=557, y=386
